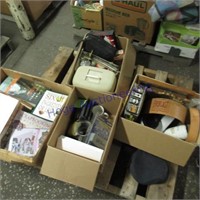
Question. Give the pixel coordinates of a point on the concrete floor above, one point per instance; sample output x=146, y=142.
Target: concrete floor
x=33, y=57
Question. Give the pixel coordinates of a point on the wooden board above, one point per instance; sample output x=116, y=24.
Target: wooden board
x=58, y=66
x=129, y=188
x=149, y=49
x=178, y=80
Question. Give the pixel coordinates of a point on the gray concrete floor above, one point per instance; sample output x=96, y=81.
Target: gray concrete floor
x=18, y=181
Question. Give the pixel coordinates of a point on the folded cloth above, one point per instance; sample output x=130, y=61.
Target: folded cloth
x=148, y=169
x=161, y=7
x=184, y=15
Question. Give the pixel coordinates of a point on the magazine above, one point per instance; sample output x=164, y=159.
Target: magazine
x=23, y=89
x=26, y=141
x=50, y=105
x=23, y=121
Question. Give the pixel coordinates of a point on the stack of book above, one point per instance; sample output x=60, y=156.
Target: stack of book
x=23, y=129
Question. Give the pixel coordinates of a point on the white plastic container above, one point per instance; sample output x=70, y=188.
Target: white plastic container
x=92, y=78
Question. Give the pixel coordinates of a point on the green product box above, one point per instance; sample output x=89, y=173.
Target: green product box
x=182, y=39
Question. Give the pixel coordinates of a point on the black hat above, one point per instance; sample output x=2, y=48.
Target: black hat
x=148, y=169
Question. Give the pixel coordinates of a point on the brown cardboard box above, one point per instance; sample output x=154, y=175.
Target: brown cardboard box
x=72, y=168
x=34, y=9
x=86, y=18
x=153, y=141
x=127, y=67
x=129, y=19
x=36, y=160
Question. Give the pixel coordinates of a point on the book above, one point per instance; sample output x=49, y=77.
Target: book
x=23, y=89
x=50, y=105
x=27, y=133
x=8, y=108
x=26, y=142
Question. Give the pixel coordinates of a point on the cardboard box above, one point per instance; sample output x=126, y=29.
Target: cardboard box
x=34, y=9
x=153, y=141
x=37, y=159
x=178, y=39
x=73, y=168
x=87, y=18
x=129, y=19
x=125, y=76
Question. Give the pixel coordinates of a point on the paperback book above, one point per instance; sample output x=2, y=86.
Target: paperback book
x=26, y=90
x=50, y=105
x=26, y=142
x=27, y=133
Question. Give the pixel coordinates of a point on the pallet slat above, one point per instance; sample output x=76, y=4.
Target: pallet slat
x=183, y=81
x=166, y=190
x=129, y=187
x=56, y=67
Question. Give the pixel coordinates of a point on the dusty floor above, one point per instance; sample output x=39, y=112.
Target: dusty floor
x=33, y=57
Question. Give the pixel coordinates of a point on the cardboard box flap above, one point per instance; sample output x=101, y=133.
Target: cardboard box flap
x=71, y=169
x=154, y=142
x=126, y=74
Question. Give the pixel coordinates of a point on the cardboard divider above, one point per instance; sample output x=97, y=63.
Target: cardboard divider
x=153, y=141
x=85, y=170
x=37, y=159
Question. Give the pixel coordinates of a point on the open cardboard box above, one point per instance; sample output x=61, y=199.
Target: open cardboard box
x=127, y=67
x=70, y=167
x=153, y=141
x=37, y=159
x=87, y=18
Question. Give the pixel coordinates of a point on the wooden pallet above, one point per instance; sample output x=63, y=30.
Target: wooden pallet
x=60, y=65
x=130, y=188
x=183, y=81
x=140, y=47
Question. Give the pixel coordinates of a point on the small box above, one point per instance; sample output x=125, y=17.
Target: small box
x=153, y=141
x=129, y=19
x=37, y=159
x=71, y=167
x=178, y=39
x=93, y=78
x=87, y=18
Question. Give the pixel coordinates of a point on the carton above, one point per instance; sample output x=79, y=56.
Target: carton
x=129, y=19
x=34, y=9
x=73, y=168
x=125, y=76
x=178, y=39
x=87, y=18
x=37, y=159
x=153, y=141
